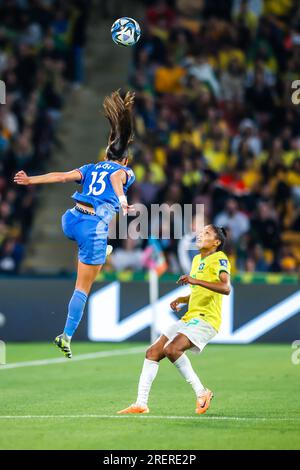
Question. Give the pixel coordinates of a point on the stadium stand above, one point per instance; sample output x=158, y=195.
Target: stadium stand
x=41, y=47
x=215, y=123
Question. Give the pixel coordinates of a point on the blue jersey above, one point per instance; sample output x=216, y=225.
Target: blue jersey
x=97, y=188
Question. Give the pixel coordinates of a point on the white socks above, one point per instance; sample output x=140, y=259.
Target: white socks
x=149, y=371
x=184, y=366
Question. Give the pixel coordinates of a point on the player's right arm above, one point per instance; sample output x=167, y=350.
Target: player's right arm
x=179, y=300
x=58, y=177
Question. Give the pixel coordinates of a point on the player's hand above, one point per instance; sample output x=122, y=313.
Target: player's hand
x=186, y=279
x=175, y=303
x=126, y=208
x=22, y=178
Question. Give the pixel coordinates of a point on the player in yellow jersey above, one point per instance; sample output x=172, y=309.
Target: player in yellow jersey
x=209, y=280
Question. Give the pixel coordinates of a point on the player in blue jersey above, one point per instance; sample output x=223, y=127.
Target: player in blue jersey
x=104, y=188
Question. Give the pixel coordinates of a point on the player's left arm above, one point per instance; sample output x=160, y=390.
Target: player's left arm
x=221, y=287
x=56, y=177
x=118, y=180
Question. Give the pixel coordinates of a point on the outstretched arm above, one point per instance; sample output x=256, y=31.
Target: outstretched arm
x=221, y=287
x=58, y=177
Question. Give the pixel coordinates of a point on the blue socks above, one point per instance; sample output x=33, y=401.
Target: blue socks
x=75, y=312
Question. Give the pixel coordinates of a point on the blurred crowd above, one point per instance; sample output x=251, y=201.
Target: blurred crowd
x=41, y=58
x=215, y=125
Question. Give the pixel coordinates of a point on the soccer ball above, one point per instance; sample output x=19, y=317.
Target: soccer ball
x=125, y=31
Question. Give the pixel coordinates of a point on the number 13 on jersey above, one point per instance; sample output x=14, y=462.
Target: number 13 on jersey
x=93, y=187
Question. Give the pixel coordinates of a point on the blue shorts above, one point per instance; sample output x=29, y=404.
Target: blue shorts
x=90, y=232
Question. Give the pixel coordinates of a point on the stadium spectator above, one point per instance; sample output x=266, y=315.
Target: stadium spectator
x=264, y=227
x=233, y=219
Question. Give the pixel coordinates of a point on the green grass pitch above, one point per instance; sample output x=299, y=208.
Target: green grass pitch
x=73, y=404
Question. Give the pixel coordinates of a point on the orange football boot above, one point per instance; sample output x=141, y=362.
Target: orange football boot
x=203, y=402
x=134, y=409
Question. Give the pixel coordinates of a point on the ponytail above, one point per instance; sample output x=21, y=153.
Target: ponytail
x=118, y=111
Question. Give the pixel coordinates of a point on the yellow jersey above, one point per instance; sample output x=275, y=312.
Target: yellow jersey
x=203, y=302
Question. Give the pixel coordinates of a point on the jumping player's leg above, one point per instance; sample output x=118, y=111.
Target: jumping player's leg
x=86, y=275
x=92, y=252
x=175, y=352
x=154, y=354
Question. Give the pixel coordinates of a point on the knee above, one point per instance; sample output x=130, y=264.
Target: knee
x=153, y=354
x=170, y=350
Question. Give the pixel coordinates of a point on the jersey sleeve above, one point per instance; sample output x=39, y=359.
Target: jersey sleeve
x=221, y=264
x=83, y=171
x=130, y=176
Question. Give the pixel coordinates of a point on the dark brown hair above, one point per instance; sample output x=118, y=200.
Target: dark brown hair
x=220, y=235
x=118, y=111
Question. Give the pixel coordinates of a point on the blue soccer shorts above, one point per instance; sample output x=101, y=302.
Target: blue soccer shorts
x=90, y=232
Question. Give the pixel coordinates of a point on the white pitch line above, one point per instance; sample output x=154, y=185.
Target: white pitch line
x=205, y=418
x=80, y=357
